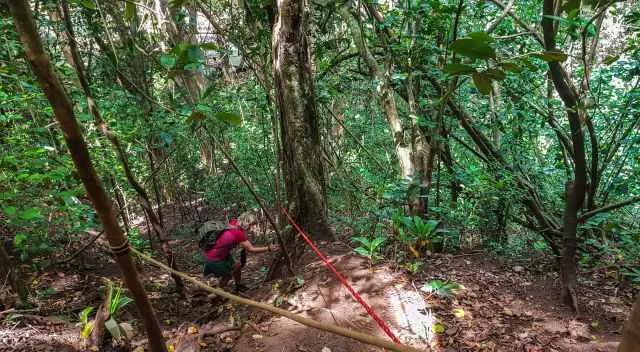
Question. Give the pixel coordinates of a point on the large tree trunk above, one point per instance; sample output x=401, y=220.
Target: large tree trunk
x=631, y=338
x=79, y=151
x=302, y=149
x=575, y=193
x=9, y=272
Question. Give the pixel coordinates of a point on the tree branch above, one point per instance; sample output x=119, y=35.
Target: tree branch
x=585, y=216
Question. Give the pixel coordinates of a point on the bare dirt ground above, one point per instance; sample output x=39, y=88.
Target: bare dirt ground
x=499, y=308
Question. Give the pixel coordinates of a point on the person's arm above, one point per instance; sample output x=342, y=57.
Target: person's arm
x=250, y=248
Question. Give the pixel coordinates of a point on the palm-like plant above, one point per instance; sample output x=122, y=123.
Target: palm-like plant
x=369, y=248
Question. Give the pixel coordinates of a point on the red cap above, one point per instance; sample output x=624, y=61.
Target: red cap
x=233, y=222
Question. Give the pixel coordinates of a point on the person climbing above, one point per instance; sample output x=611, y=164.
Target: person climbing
x=217, y=243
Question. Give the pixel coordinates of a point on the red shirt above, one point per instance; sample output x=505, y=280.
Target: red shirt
x=227, y=240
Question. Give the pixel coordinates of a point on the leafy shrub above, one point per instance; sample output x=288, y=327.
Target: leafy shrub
x=369, y=249
x=442, y=288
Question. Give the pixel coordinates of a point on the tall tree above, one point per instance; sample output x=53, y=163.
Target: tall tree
x=382, y=74
x=302, y=149
x=63, y=111
x=575, y=189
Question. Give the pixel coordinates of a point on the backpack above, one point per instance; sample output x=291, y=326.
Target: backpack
x=209, y=234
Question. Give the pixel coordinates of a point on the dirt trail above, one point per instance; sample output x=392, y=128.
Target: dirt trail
x=499, y=309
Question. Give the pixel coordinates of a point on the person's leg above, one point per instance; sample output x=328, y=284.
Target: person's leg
x=237, y=272
x=224, y=281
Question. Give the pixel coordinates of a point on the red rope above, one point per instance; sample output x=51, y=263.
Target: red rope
x=343, y=280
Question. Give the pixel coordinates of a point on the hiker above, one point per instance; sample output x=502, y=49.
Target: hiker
x=217, y=246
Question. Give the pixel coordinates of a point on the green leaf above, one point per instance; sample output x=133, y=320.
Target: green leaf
x=377, y=242
x=10, y=211
x=195, y=116
x=365, y=241
x=167, y=60
x=495, y=74
x=84, y=315
x=482, y=82
x=571, y=5
x=458, y=69
x=511, y=67
x=208, y=46
x=362, y=251
x=86, y=330
x=610, y=59
x=30, y=214
x=19, y=239
x=438, y=328
x=114, y=328
x=481, y=36
x=473, y=48
x=130, y=12
x=229, y=117
x=551, y=56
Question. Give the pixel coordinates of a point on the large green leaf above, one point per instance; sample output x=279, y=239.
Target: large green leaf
x=30, y=214
x=551, y=56
x=167, y=60
x=114, y=328
x=496, y=74
x=458, y=69
x=377, y=242
x=229, y=117
x=481, y=36
x=130, y=12
x=610, y=59
x=195, y=116
x=482, y=82
x=362, y=251
x=10, y=211
x=474, y=48
x=209, y=46
x=363, y=240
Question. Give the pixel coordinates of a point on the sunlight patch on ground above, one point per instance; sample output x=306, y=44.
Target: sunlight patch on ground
x=411, y=313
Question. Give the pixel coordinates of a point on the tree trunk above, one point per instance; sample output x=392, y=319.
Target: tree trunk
x=385, y=91
x=79, y=151
x=575, y=194
x=9, y=272
x=302, y=148
x=631, y=337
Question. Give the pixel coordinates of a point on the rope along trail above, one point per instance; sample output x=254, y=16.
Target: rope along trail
x=343, y=280
x=365, y=338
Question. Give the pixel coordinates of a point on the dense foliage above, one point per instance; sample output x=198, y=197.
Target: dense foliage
x=466, y=88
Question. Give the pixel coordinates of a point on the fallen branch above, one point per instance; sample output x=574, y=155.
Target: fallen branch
x=93, y=240
x=365, y=338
